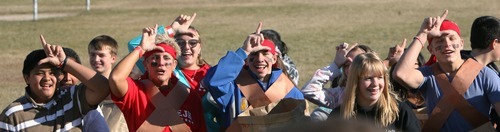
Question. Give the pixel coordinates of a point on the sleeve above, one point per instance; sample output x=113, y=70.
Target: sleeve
x=314, y=90
x=291, y=69
x=127, y=101
x=295, y=93
x=427, y=73
x=220, y=78
x=492, y=88
x=81, y=98
x=7, y=123
x=407, y=118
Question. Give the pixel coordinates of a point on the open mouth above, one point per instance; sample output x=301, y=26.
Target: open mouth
x=373, y=91
x=448, y=52
x=186, y=55
x=46, y=86
x=260, y=68
x=160, y=72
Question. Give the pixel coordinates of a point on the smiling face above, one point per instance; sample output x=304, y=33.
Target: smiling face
x=42, y=82
x=447, y=47
x=370, y=87
x=102, y=60
x=160, y=66
x=261, y=63
x=66, y=79
x=190, y=46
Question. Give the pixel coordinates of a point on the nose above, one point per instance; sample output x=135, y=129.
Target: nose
x=376, y=81
x=94, y=58
x=46, y=77
x=66, y=77
x=186, y=46
x=260, y=57
x=161, y=61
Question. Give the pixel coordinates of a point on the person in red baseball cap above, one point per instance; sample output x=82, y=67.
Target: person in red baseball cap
x=157, y=101
x=458, y=93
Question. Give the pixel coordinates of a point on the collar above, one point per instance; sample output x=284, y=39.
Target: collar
x=36, y=105
x=275, y=74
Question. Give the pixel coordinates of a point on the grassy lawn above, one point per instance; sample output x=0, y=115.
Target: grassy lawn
x=310, y=28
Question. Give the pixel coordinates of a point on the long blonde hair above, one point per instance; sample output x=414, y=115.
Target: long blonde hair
x=387, y=107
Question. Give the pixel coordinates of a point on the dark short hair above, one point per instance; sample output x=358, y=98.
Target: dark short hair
x=276, y=38
x=32, y=60
x=35, y=56
x=484, y=30
x=71, y=53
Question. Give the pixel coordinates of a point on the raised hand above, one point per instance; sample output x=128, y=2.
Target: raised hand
x=254, y=41
x=55, y=53
x=182, y=23
x=149, y=38
x=340, y=55
x=431, y=25
x=396, y=52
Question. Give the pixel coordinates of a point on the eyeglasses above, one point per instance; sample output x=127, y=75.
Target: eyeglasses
x=192, y=42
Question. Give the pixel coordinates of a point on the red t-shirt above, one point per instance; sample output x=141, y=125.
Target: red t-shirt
x=194, y=78
x=136, y=107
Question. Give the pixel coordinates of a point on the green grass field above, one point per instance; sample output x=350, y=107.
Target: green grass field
x=310, y=28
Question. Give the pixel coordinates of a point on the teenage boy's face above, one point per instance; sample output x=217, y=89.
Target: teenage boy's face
x=447, y=47
x=101, y=60
x=66, y=79
x=42, y=81
x=160, y=66
x=261, y=63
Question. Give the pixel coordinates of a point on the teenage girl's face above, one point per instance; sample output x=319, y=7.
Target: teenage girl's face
x=190, y=49
x=370, y=88
x=42, y=81
x=261, y=63
x=102, y=60
x=160, y=66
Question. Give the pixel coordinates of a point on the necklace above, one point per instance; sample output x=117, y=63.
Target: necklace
x=190, y=76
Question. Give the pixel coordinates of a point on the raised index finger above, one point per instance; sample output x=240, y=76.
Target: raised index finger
x=258, y=28
x=42, y=40
x=445, y=13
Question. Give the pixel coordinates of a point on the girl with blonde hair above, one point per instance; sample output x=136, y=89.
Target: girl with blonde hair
x=368, y=96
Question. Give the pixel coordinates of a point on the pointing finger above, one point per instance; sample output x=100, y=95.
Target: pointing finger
x=403, y=45
x=445, y=13
x=42, y=39
x=258, y=28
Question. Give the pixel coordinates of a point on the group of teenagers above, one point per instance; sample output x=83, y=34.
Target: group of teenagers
x=164, y=84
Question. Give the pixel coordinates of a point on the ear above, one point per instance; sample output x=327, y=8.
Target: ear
x=275, y=59
x=26, y=79
x=429, y=49
x=113, y=59
x=494, y=43
x=462, y=43
x=174, y=64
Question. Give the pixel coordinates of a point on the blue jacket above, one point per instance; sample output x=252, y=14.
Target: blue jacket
x=219, y=80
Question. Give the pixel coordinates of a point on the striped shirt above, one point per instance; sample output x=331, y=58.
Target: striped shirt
x=62, y=113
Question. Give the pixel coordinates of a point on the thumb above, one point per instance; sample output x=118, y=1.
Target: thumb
x=158, y=48
x=44, y=60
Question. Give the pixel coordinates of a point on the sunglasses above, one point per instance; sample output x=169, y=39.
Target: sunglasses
x=191, y=42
